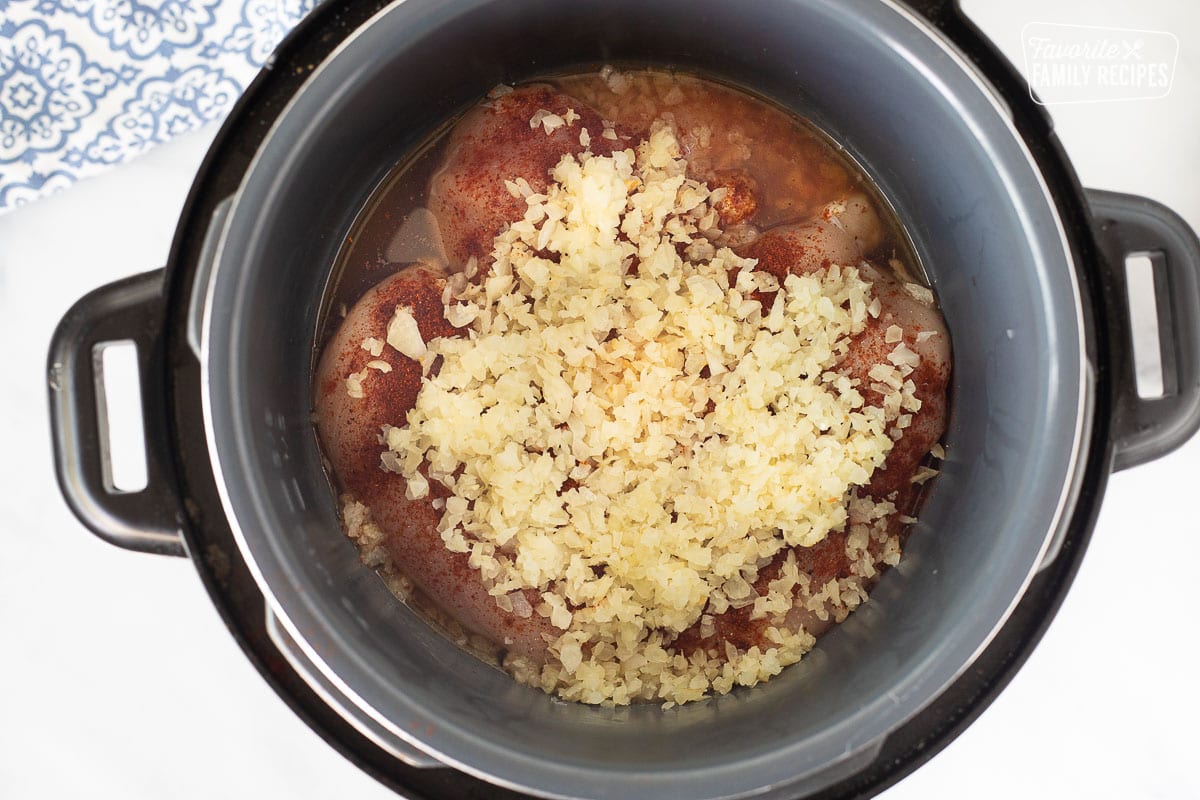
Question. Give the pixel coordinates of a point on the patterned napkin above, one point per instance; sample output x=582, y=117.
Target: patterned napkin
x=85, y=84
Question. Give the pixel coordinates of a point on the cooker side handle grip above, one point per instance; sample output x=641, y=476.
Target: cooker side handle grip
x=127, y=310
x=1145, y=428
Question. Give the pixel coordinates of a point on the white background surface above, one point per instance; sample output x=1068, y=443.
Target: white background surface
x=118, y=680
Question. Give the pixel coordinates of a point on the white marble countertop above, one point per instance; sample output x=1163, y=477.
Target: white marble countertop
x=118, y=680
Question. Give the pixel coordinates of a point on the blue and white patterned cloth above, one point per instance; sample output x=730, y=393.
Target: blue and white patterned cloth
x=85, y=84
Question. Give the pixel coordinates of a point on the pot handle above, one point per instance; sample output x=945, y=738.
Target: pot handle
x=127, y=310
x=1145, y=428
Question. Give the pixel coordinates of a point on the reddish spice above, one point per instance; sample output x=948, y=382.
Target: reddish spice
x=388, y=396
x=740, y=201
x=493, y=144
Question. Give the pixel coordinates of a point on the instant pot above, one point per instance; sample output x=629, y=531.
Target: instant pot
x=1028, y=268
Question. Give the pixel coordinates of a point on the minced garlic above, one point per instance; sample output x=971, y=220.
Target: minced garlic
x=354, y=386
x=404, y=335
x=373, y=346
x=551, y=122
x=628, y=432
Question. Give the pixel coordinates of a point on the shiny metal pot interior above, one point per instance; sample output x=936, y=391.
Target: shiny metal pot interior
x=1028, y=437
x=945, y=155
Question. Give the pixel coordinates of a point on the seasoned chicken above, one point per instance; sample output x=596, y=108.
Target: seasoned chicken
x=495, y=143
x=842, y=234
x=359, y=393
x=350, y=429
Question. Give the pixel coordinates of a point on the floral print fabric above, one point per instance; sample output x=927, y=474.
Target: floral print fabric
x=85, y=84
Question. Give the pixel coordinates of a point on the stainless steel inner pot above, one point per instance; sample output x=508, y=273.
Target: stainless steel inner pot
x=942, y=146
